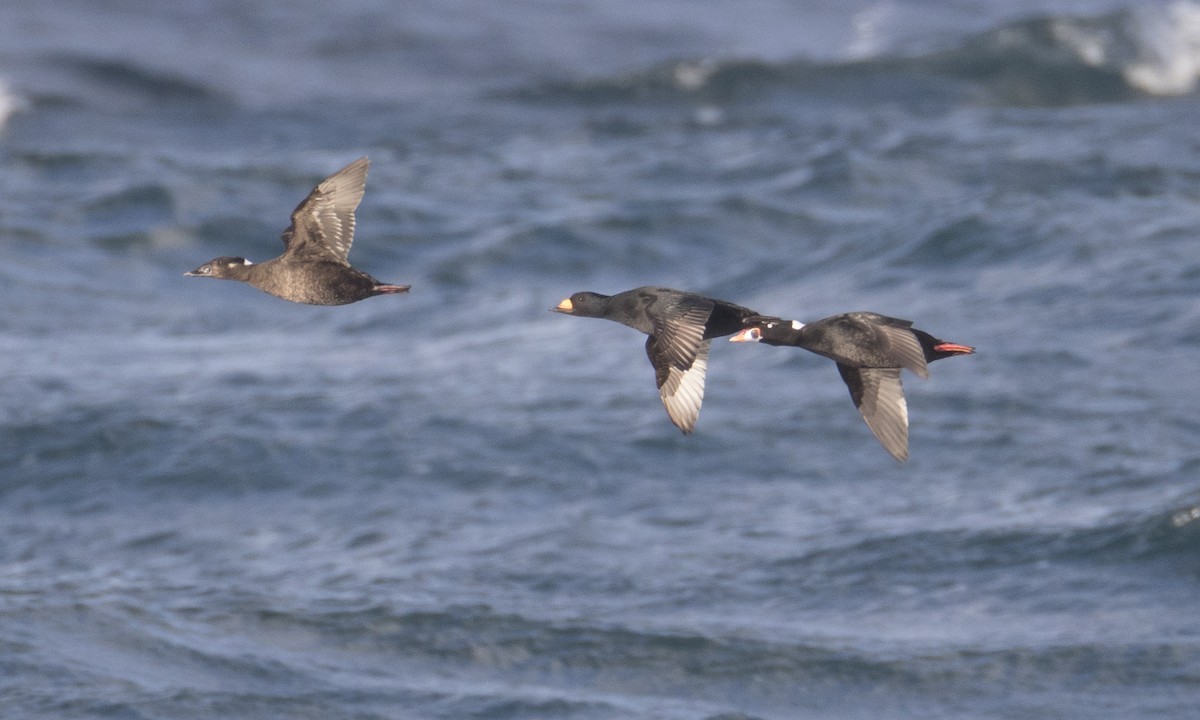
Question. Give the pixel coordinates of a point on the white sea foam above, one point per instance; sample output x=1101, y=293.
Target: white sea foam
x=10, y=103
x=869, y=25
x=1170, y=50
x=1091, y=42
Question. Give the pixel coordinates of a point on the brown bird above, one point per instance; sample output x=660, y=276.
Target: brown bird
x=869, y=349
x=313, y=268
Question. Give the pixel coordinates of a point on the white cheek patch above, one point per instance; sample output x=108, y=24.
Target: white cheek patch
x=796, y=324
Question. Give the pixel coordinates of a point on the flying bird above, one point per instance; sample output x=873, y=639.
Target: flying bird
x=870, y=349
x=314, y=267
x=680, y=326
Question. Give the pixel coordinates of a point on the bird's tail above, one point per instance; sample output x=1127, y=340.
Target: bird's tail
x=382, y=289
x=946, y=349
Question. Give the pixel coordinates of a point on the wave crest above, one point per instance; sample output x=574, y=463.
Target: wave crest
x=1170, y=45
x=1045, y=61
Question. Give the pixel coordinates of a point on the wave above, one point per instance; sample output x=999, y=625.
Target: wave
x=1145, y=51
x=1043, y=61
x=473, y=661
x=1169, y=62
x=1154, y=542
x=125, y=84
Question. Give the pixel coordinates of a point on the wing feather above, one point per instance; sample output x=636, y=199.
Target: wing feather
x=323, y=224
x=682, y=391
x=904, y=349
x=879, y=396
x=679, y=353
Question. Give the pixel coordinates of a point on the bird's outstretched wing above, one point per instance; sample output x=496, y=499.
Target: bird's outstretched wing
x=323, y=225
x=879, y=396
x=679, y=353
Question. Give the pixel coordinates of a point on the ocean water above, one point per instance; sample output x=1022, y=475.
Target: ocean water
x=455, y=504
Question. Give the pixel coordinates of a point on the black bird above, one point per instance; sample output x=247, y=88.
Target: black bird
x=681, y=326
x=313, y=268
x=869, y=349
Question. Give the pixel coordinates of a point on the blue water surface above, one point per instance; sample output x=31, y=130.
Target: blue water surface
x=456, y=504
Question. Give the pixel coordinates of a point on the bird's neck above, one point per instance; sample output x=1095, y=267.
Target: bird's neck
x=243, y=272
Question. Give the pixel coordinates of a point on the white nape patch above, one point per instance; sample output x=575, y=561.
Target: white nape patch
x=796, y=324
x=247, y=262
